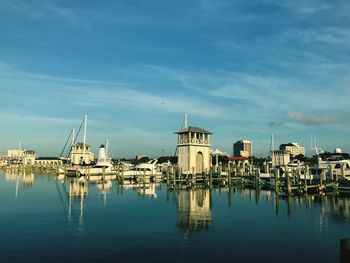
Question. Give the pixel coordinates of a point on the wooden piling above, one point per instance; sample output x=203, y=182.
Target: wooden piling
x=276, y=174
x=211, y=178
x=306, y=172
x=289, y=189
x=321, y=180
x=257, y=178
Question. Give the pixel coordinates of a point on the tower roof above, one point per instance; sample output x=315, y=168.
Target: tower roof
x=80, y=144
x=193, y=129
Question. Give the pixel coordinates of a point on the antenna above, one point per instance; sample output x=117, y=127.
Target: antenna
x=185, y=122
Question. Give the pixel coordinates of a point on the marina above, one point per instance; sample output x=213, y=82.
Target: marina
x=71, y=220
x=174, y=131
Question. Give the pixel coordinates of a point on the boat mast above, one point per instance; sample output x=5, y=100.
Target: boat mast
x=84, y=141
x=107, y=149
x=272, y=150
x=73, y=136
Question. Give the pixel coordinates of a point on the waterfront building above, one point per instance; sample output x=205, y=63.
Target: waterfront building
x=26, y=157
x=293, y=148
x=193, y=150
x=81, y=154
x=15, y=154
x=243, y=148
x=280, y=158
x=48, y=161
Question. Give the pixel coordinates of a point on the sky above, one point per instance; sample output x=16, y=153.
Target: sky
x=240, y=69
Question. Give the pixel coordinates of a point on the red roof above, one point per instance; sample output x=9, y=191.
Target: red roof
x=238, y=158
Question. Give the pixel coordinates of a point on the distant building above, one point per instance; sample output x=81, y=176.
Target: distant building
x=26, y=157
x=193, y=150
x=338, y=150
x=81, y=155
x=15, y=154
x=293, y=147
x=48, y=161
x=243, y=148
x=280, y=158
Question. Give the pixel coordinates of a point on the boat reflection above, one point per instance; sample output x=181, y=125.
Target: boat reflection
x=194, y=209
x=143, y=189
x=148, y=189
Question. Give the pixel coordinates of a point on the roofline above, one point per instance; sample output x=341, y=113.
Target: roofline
x=186, y=130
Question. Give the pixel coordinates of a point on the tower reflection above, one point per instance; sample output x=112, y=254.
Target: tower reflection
x=194, y=209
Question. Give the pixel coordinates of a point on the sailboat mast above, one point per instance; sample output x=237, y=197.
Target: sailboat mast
x=84, y=141
x=73, y=136
x=107, y=148
x=272, y=150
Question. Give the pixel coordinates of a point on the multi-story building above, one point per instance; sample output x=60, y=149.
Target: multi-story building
x=81, y=154
x=280, y=158
x=15, y=154
x=26, y=157
x=243, y=148
x=293, y=147
x=193, y=150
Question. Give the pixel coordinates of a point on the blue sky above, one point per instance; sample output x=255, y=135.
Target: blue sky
x=241, y=69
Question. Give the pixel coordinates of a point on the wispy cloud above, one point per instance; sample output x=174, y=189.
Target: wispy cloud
x=11, y=118
x=45, y=10
x=313, y=119
x=96, y=93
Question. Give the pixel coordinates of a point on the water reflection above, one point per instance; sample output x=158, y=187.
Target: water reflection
x=148, y=189
x=24, y=178
x=194, y=206
x=73, y=198
x=194, y=209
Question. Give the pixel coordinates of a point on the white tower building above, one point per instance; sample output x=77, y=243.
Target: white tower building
x=193, y=149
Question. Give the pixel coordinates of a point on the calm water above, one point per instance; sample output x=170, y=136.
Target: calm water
x=40, y=222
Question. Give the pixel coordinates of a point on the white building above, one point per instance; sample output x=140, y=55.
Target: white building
x=15, y=154
x=26, y=157
x=48, y=161
x=280, y=158
x=81, y=154
x=293, y=147
x=193, y=150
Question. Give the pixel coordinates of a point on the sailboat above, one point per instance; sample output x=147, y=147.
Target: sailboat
x=80, y=154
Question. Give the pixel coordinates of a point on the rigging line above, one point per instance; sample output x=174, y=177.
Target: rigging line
x=66, y=143
x=175, y=151
x=61, y=197
x=75, y=139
